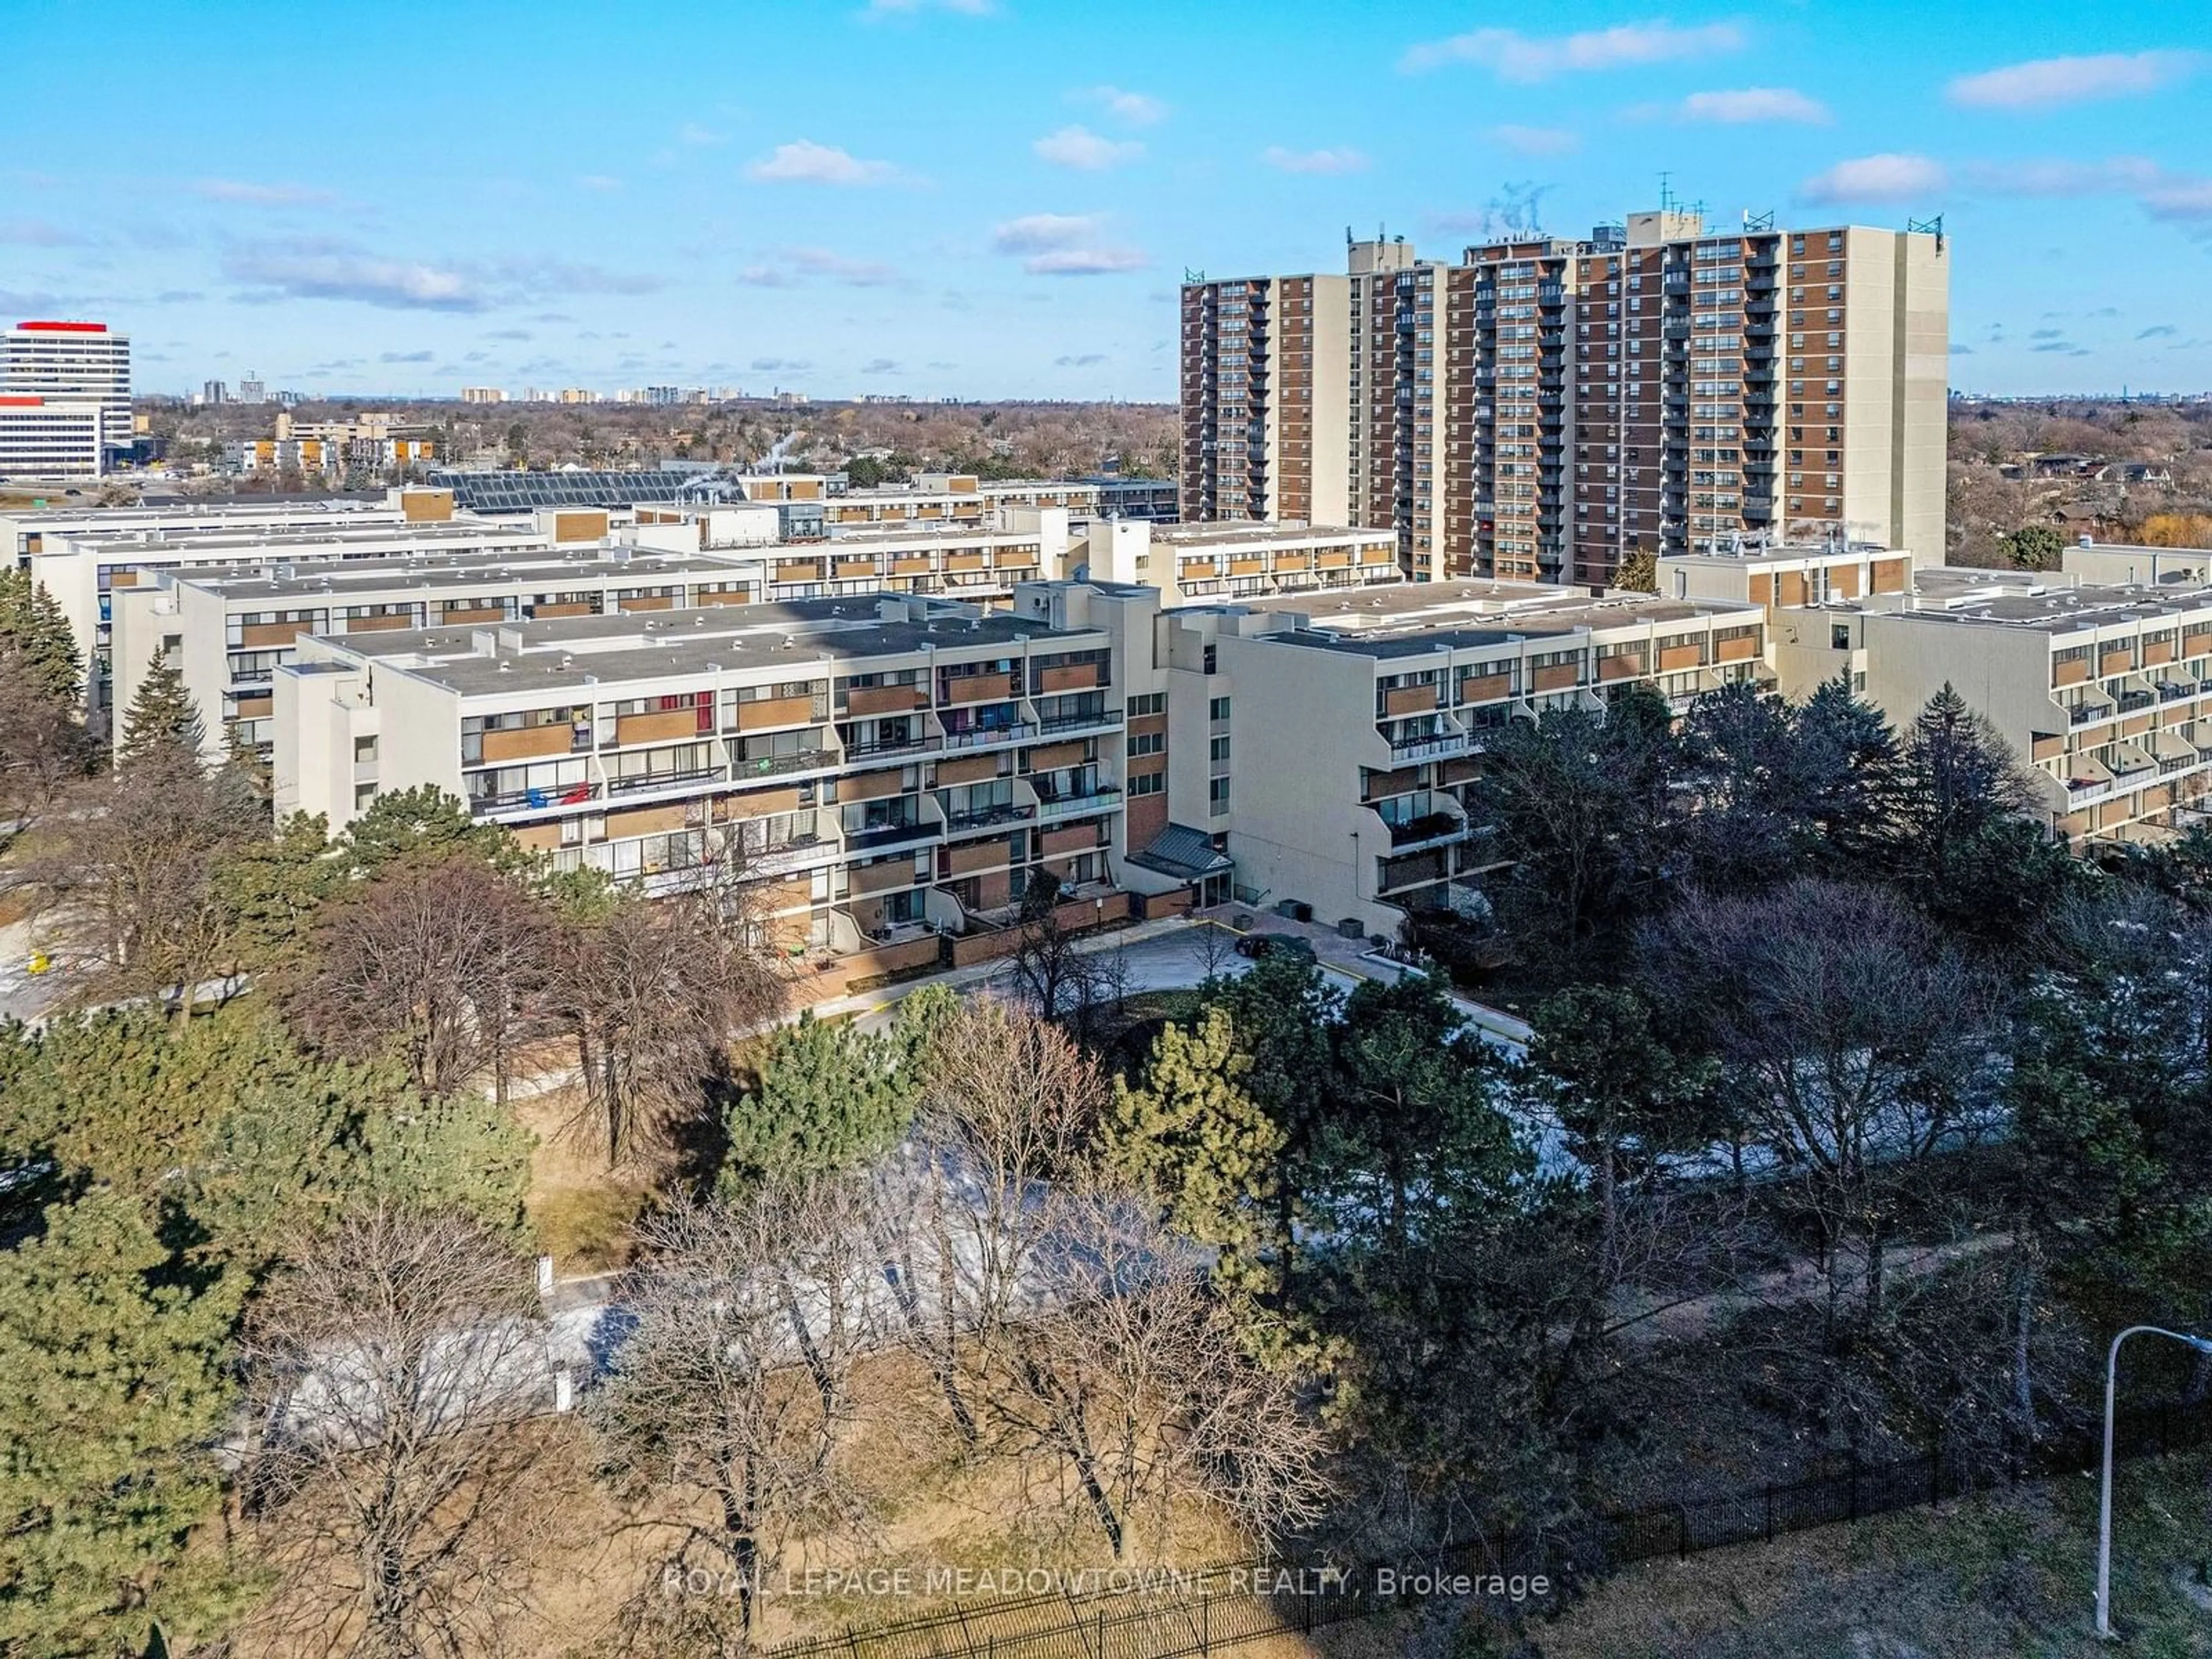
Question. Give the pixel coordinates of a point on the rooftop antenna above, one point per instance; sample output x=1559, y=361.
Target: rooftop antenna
x=1666, y=191
x=1928, y=228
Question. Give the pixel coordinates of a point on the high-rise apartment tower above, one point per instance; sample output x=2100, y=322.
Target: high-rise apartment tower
x=1547, y=407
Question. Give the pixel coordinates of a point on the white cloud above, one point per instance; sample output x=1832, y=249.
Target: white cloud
x=598, y=181
x=699, y=137
x=2047, y=81
x=1513, y=56
x=1325, y=161
x=313, y=273
x=1891, y=178
x=239, y=190
x=1536, y=141
x=911, y=8
x=37, y=233
x=1750, y=104
x=805, y=162
x=1065, y=245
x=790, y=266
x=1079, y=147
x=2063, y=178
x=2161, y=194
x=1138, y=109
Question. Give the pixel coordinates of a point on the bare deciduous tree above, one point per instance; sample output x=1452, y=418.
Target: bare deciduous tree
x=653, y=991
x=1130, y=1378
x=1008, y=1108
x=733, y=1388
x=400, y=1487
x=1855, y=1039
x=445, y=960
x=123, y=872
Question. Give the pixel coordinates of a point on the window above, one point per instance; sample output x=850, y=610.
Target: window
x=1147, y=703
x=1216, y=795
x=1840, y=636
x=1148, y=783
x=364, y=750
x=1219, y=750
x=1146, y=743
x=1217, y=709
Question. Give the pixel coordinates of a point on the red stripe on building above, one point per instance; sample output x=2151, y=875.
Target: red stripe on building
x=22, y=403
x=65, y=328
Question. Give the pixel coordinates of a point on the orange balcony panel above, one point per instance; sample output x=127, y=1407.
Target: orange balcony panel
x=667, y=725
x=1076, y=838
x=1080, y=677
x=966, y=861
x=261, y=635
x=1053, y=755
x=528, y=743
x=768, y=713
x=1558, y=677
x=866, y=700
x=966, y=769
x=1672, y=659
x=979, y=688
x=883, y=877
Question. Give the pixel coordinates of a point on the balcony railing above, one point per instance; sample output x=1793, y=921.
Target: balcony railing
x=1076, y=722
x=768, y=766
x=889, y=835
x=984, y=737
x=1063, y=806
x=1427, y=748
x=649, y=781
x=891, y=746
x=983, y=817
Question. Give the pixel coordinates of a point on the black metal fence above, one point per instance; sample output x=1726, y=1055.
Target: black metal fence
x=1224, y=1607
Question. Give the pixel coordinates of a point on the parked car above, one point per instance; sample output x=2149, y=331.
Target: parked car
x=1256, y=945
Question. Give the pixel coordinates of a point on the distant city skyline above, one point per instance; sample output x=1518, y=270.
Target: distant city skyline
x=998, y=198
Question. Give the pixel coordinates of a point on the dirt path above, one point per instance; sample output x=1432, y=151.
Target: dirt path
x=1640, y=1323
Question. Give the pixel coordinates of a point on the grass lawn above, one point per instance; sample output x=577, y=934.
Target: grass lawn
x=2009, y=1573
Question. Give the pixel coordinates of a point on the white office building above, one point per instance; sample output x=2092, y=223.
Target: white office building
x=64, y=399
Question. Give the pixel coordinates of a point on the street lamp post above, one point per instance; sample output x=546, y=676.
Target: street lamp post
x=2202, y=1344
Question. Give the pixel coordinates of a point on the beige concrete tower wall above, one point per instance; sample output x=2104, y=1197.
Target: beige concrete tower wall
x=317, y=715
x=1923, y=384
x=1331, y=401
x=141, y=618
x=1297, y=829
x=2003, y=671
x=1870, y=442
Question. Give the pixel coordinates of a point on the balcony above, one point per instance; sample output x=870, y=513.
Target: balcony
x=985, y=818
x=768, y=766
x=1407, y=751
x=891, y=835
x=1102, y=717
x=1065, y=806
x=1430, y=829
x=651, y=782
x=990, y=737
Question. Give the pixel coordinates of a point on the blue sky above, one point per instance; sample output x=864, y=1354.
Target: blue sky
x=997, y=198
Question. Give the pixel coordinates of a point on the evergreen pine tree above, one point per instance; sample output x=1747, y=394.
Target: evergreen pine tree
x=828, y=1096
x=162, y=725
x=36, y=639
x=1195, y=1139
x=116, y=1389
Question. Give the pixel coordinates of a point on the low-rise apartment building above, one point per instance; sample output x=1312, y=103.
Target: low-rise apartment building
x=1208, y=563
x=887, y=768
x=84, y=569
x=228, y=629
x=2105, y=692
x=1325, y=746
